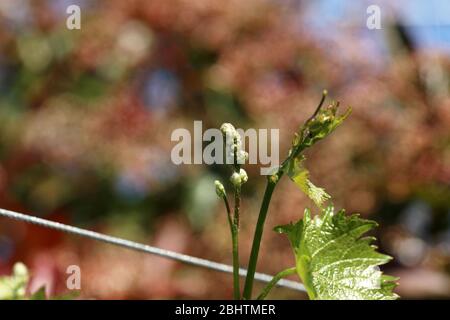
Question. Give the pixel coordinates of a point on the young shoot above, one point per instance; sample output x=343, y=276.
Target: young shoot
x=332, y=258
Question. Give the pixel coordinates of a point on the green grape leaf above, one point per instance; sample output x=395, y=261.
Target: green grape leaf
x=67, y=296
x=39, y=294
x=322, y=124
x=14, y=287
x=300, y=175
x=334, y=261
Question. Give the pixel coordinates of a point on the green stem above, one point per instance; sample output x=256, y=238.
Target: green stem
x=271, y=183
x=235, y=249
x=275, y=280
x=227, y=206
x=237, y=203
x=236, y=285
x=235, y=230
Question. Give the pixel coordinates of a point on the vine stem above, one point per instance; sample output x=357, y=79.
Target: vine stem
x=248, y=287
x=235, y=236
x=234, y=224
x=235, y=249
x=274, y=281
x=236, y=284
x=270, y=187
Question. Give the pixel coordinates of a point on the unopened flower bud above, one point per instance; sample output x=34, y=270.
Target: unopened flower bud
x=220, y=189
x=243, y=175
x=239, y=178
x=233, y=140
x=241, y=156
x=236, y=179
x=228, y=129
x=20, y=270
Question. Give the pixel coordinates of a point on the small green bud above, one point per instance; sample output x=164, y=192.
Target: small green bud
x=228, y=129
x=243, y=175
x=20, y=270
x=273, y=178
x=239, y=178
x=220, y=189
x=236, y=179
x=241, y=157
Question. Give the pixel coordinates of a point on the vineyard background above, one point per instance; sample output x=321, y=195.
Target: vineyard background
x=86, y=118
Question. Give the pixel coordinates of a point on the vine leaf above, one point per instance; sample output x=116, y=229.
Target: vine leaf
x=300, y=176
x=14, y=286
x=334, y=261
x=39, y=294
x=321, y=125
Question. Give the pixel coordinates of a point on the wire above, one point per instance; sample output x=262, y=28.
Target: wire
x=144, y=248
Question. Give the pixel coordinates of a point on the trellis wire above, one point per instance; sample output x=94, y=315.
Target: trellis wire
x=144, y=248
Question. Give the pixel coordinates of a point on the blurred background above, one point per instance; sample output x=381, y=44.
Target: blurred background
x=86, y=118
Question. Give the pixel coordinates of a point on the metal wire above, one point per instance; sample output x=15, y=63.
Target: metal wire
x=144, y=248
